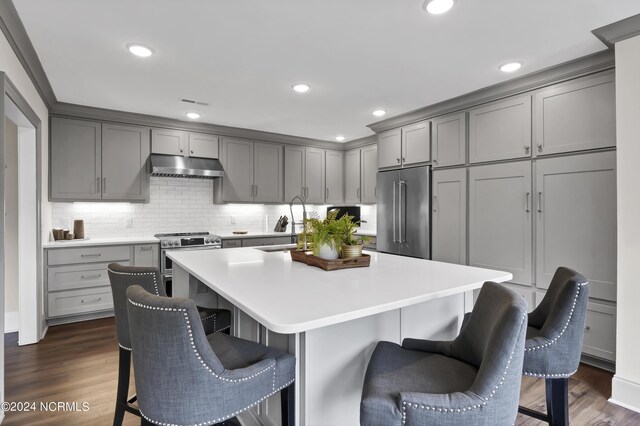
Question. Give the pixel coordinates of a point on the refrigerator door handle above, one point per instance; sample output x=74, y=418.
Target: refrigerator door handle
x=400, y=183
x=394, y=211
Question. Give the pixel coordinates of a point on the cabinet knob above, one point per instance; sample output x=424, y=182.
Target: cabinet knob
x=191, y=151
x=587, y=328
x=539, y=147
x=181, y=150
x=526, y=149
x=398, y=159
x=435, y=161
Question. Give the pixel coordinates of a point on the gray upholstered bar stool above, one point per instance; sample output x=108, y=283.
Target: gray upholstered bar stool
x=554, y=341
x=184, y=377
x=121, y=277
x=472, y=380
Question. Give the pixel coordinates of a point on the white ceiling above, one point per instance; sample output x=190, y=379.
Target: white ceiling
x=242, y=56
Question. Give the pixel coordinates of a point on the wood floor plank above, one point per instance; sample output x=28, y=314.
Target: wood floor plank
x=79, y=362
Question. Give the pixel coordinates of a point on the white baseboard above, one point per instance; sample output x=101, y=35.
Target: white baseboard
x=625, y=393
x=11, y=322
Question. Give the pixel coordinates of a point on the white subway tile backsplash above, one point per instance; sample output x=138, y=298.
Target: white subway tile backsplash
x=181, y=205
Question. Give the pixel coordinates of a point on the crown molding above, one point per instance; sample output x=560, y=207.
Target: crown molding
x=618, y=31
x=582, y=66
x=359, y=143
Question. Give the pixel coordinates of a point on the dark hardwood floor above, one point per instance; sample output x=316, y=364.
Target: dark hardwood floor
x=79, y=363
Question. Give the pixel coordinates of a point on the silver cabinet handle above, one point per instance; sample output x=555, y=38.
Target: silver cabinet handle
x=375, y=191
x=539, y=202
x=256, y=191
x=526, y=149
x=84, y=277
x=91, y=300
x=527, y=195
x=358, y=193
x=326, y=194
x=539, y=147
x=146, y=248
x=97, y=185
x=404, y=159
x=104, y=185
x=394, y=211
x=400, y=183
x=91, y=255
x=398, y=159
x=435, y=199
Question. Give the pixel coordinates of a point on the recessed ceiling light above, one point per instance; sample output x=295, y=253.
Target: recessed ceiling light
x=379, y=112
x=436, y=7
x=510, y=67
x=193, y=115
x=340, y=138
x=301, y=87
x=140, y=50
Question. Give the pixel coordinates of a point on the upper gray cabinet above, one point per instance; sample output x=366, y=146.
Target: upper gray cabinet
x=253, y=171
x=125, y=150
x=500, y=219
x=98, y=161
x=575, y=116
x=448, y=145
x=352, y=177
x=177, y=142
x=576, y=221
x=293, y=172
x=304, y=173
x=368, y=173
x=407, y=146
x=75, y=155
x=334, y=176
x=500, y=130
x=449, y=217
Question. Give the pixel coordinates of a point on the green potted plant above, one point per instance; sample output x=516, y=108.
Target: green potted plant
x=351, y=246
x=324, y=236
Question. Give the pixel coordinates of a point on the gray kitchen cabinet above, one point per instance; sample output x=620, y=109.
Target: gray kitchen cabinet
x=334, y=177
x=575, y=204
x=352, y=177
x=267, y=172
x=449, y=136
x=368, y=174
x=125, y=151
x=500, y=130
x=449, y=216
x=500, y=222
x=253, y=171
x=416, y=141
x=75, y=160
x=390, y=148
x=293, y=172
x=146, y=255
x=203, y=145
x=237, y=160
x=168, y=141
x=266, y=241
x=314, y=175
x=231, y=243
x=576, y=115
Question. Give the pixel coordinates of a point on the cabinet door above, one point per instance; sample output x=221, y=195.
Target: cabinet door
x=576, y=116
x=75, y=160
x=500, y=130
x=125, y=151
x=416, y=143
x=293, y=172
x=500, y=208
x=167, y=141
x=352, y=176
x=314, y=175
x=449, y=217
x=390, y=148
x=449, y=140
x=202, y=145
x=237, y=160
x=268, y=172
x=146, y=255
x=334, y=192
x=576, y=220
x=368, y=173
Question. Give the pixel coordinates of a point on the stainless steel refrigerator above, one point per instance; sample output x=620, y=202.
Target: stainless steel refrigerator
x=403, y=212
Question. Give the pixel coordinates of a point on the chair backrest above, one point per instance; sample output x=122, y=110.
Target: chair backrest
x=121, y=278
x=173, y=361
x=493, y=339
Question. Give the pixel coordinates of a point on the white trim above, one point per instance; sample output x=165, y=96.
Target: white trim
x=625, y=393
x=11, y=322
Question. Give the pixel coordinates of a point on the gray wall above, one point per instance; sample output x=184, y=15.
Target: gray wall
x=11, y=218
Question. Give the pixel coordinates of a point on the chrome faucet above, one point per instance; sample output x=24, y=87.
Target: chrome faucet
x=304, y=219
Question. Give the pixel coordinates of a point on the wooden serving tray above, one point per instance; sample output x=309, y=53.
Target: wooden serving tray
x=330, y=265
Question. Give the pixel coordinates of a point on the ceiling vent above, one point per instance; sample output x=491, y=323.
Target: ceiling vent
x=191, y=101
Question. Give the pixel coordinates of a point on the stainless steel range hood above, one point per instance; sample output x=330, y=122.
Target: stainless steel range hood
x=188, y=167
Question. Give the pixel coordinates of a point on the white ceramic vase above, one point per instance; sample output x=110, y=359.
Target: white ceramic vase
x=325, y=251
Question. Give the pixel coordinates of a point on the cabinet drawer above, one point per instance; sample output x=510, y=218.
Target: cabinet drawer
x=257, y=242
x=78, y=276
x=88, y=255
x=79, y=301
x=231, y=243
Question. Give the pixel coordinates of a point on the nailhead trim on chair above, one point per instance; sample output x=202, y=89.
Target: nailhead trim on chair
x=406, y=404
x=125, y=348
x=221, y=419
x=558, y=376
x=155, y=283
x=193, y=345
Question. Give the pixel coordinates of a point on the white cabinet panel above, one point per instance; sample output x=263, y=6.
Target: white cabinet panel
x=146, y=255
x=449, y=137
x=449, y=216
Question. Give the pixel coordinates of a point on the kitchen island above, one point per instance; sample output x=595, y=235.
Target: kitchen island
x=331, y=321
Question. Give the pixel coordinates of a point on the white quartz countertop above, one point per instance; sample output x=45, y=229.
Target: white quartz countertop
x=100, y=242
x=366, y=232
x=250, y=234
x=291, y=297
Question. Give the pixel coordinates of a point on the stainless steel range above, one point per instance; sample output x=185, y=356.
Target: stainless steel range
x=183, y=241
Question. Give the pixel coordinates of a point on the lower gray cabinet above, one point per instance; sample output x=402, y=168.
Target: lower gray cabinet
x=146, y=255
x=449, y=216
x=500, y=219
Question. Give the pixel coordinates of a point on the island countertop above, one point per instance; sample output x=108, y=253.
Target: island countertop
x=291, y=297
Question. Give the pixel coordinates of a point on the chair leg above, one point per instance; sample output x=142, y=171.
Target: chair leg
x=288, y=404
x=122, y=399
x=558, y=401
